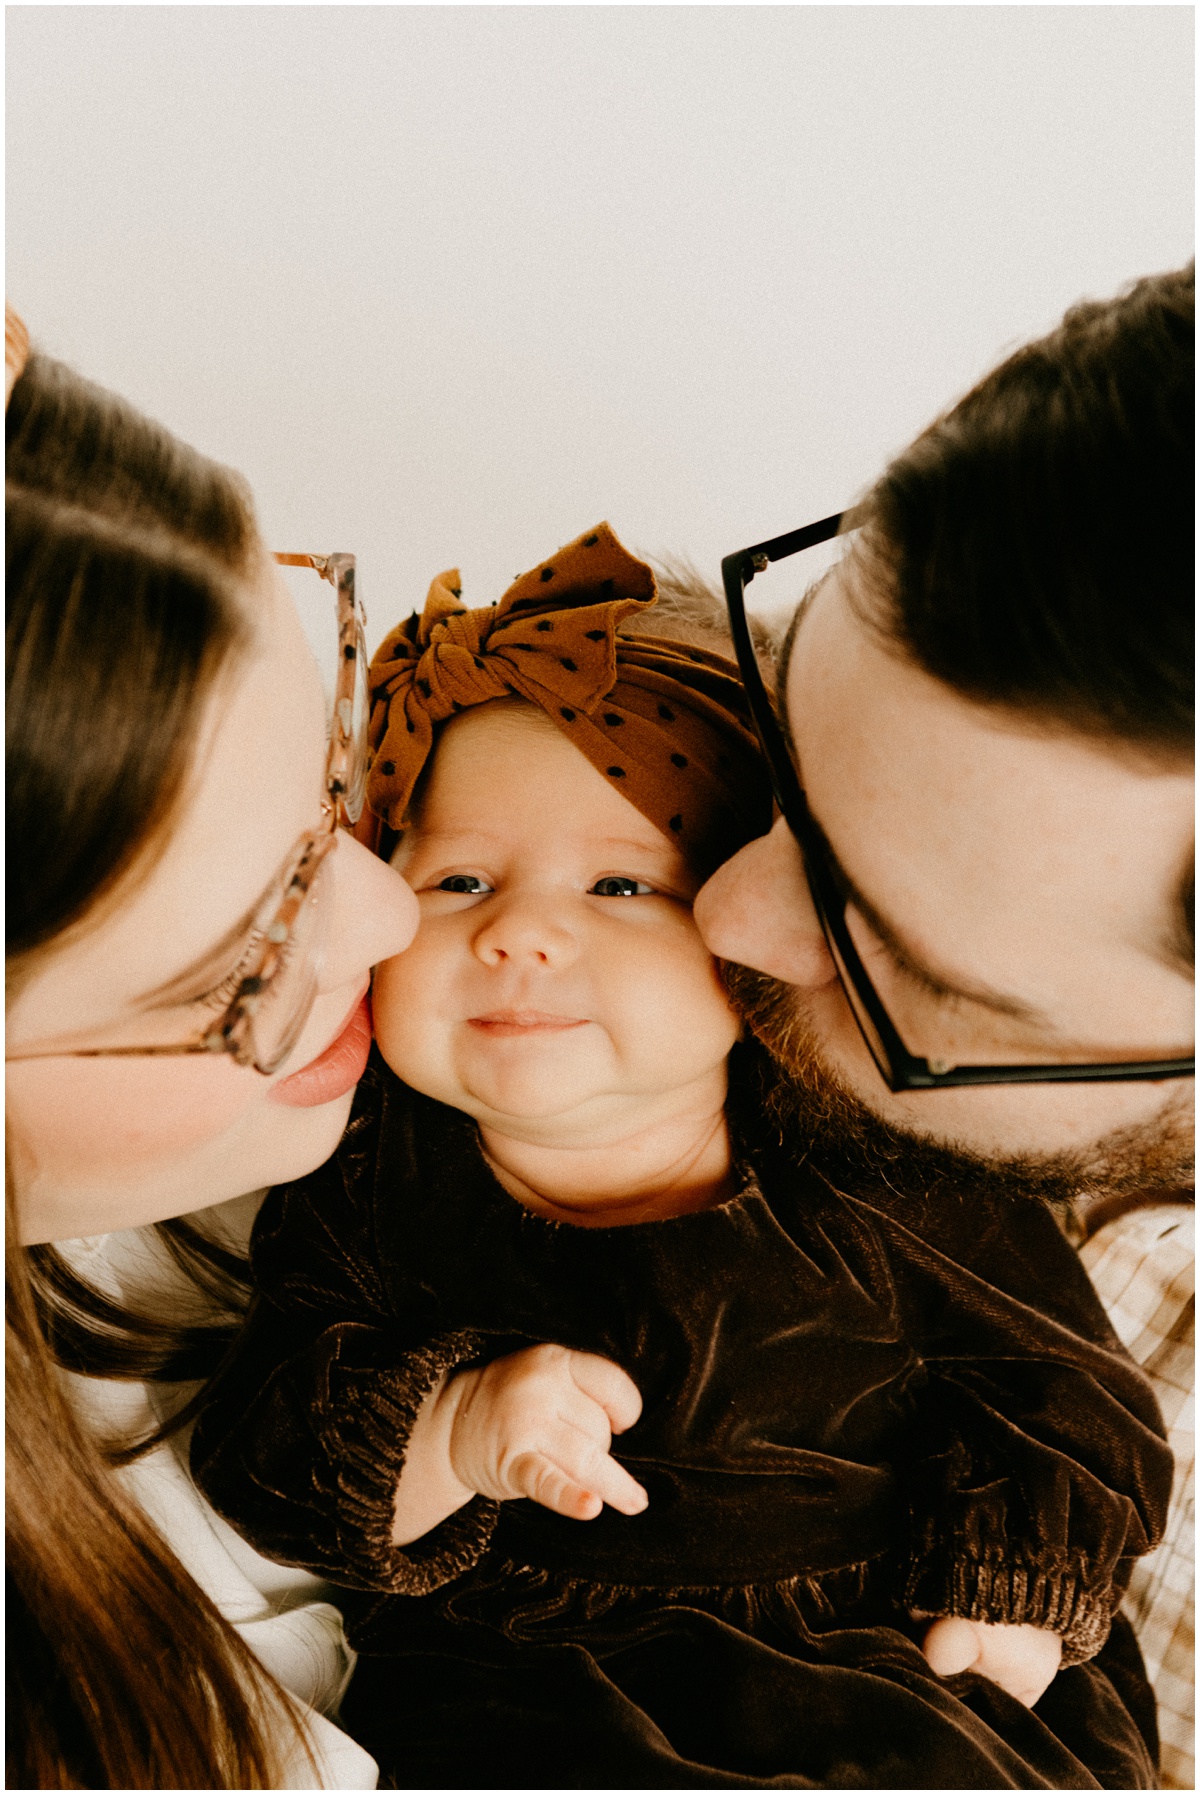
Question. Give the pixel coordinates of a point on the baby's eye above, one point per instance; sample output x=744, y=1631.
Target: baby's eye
x=617, y=885
x=470, y=883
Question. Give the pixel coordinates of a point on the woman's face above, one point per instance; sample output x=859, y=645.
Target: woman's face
x=114, y=1142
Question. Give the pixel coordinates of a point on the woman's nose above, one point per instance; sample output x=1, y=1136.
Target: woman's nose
x=373, y=913
x=757, y=910
x=525, y=932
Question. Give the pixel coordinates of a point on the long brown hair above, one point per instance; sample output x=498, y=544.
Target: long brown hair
x=125, y=554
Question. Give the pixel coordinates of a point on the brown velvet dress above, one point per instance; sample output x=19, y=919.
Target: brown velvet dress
x=853, y=1406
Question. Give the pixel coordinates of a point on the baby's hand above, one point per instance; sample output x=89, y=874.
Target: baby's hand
x=1024, y=1660
x=539, y=1423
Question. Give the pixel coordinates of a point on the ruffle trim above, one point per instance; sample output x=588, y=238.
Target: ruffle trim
x=376, y=1410
x=1058, y=1599
x=531, y=1604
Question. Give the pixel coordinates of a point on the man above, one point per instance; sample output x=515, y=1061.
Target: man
x=988, y=704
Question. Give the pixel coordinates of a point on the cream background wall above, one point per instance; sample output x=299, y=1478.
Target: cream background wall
x=452, y=283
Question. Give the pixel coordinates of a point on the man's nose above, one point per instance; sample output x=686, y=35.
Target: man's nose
x=757, y=910
x=527, y=932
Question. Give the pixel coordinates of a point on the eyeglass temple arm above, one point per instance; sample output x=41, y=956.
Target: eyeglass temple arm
x=737, y=571
x=319, y=563
x=756, y=558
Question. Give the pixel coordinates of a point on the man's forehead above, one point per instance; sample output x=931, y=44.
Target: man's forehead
x=837, y=642
x=839, y=589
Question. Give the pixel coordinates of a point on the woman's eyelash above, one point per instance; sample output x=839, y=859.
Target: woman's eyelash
x=220, y=995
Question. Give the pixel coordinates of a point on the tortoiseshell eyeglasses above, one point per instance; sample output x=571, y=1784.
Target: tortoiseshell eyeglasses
x=275, y=983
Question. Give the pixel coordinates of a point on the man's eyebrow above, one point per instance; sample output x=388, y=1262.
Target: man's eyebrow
x=939, y=981
x=211, y=965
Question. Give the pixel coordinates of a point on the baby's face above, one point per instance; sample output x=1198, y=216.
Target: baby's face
x=557, y=976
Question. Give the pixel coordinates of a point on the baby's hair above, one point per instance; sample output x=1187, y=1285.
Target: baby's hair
x=691, y=610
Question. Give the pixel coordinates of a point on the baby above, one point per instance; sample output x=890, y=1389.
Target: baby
x=566, y=1214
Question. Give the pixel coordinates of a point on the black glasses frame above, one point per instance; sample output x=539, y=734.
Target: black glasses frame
x=900, y=1069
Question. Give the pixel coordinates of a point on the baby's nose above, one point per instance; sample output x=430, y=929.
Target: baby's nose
x=526, y=933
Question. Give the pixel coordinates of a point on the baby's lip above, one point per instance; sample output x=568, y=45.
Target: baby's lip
x=524, y=1022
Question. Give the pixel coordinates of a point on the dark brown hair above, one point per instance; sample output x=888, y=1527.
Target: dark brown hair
x=1036, y=544
x=125, y=553
x=1035, y=547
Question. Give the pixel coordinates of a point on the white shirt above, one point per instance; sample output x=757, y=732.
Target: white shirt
x=283, y=1614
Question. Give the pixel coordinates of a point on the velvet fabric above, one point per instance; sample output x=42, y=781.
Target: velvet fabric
x=854, y=1406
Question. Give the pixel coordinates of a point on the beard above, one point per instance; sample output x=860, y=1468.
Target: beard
x=849, y=1144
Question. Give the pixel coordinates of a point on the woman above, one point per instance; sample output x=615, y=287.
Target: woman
x=187, y=964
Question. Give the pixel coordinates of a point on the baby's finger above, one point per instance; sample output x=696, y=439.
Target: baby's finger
x=544, y=1482
x=583, y=1465
x=585, y=1459
x=608, y=1385
x=613, y=1484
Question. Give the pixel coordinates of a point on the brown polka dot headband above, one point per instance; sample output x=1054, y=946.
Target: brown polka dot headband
x=665, y=722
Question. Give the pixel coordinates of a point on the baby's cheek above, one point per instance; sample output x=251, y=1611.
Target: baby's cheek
x=678, y=1007
x=402, y=1012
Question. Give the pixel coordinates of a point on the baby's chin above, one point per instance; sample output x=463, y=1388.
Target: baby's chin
x=534, y=1108
x=498, y=1102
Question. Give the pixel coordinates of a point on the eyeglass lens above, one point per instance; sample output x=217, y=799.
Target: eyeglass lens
x=277, y=1016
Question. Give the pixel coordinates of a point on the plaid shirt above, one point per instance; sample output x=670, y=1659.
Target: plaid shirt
x=1143, y=1267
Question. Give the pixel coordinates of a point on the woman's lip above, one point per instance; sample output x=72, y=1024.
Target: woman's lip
x=524, y=1022
x=335, y=1071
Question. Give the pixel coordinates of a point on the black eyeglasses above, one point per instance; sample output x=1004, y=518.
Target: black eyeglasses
x=901, y=1069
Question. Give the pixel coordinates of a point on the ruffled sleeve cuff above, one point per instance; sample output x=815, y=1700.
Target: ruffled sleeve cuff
x=1058, y=1599
x=374, y=1413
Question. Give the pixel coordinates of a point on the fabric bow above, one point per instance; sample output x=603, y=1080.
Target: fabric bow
x=551, y=639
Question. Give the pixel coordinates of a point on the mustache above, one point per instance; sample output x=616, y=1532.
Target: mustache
x=846, y=1140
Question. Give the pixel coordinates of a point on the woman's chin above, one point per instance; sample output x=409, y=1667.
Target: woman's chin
x=277, y=1145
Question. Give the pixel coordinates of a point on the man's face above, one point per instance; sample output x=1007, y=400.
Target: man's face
x=1015, y=896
